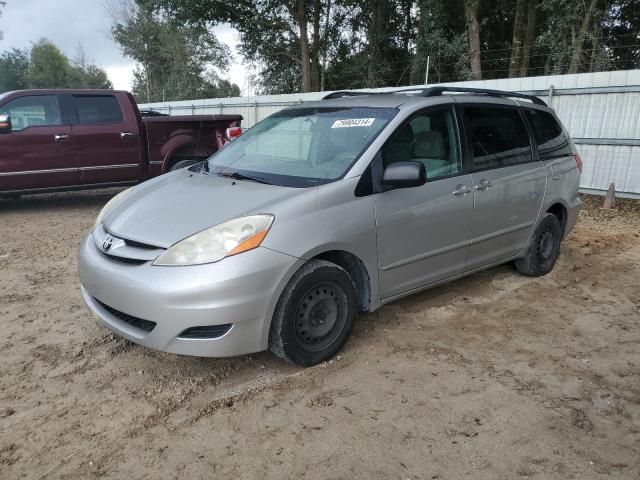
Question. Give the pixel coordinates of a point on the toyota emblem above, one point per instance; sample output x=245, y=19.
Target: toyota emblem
x=108, y=243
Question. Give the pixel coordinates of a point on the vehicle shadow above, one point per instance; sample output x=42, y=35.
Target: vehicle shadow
x=63, y=200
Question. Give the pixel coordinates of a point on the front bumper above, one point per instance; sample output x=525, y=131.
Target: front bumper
x=241, y=290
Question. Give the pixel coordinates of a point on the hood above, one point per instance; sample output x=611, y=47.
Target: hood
x=175, y=206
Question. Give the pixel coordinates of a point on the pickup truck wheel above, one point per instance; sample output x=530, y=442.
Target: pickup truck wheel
x=314, y=315
x=182, y=164
x=544, y=249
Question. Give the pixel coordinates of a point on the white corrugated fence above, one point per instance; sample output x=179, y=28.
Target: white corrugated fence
x=600, y=110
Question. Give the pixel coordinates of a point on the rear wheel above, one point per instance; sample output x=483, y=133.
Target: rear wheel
x=315, y=314
x=182, y=164
x=544, y=249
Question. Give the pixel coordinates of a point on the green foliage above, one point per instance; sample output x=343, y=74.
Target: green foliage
x=441, y=36
x=14, y=66
x=361, y=43
x=45, y=66
x=174, y=62
x=49, y=67
x=621, y=35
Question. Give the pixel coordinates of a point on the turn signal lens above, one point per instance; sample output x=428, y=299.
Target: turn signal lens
x=250, y=243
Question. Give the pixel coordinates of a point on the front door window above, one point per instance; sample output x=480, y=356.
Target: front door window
x=33, y=111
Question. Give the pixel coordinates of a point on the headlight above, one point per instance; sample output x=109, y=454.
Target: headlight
x=109, y=206
x=215, y=243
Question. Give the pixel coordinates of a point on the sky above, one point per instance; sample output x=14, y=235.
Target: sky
x=69, y=23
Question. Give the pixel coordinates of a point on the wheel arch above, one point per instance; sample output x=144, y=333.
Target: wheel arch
x=181, y=148
x=356, y=269
x=559, y=210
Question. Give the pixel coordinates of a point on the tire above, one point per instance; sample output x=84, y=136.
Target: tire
x=314, y=315
x=544, y=249
x=182, y=164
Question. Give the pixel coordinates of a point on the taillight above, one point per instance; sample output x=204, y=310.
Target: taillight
x=579, y=161
x=234, y=132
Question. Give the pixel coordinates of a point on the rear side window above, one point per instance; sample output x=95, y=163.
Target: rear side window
x=498, y=137
x=551, y=139
x=97, y=109
x=33, y=111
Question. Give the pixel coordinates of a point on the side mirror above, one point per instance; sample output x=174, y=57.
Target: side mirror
x=5, y=123
x=404, y=175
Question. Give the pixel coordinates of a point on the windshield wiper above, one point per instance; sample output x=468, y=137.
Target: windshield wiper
x=241, y=176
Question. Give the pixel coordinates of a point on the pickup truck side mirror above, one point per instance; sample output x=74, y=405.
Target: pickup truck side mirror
x=404, y=175
x=5, y=124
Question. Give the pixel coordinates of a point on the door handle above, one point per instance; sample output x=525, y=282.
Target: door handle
x=483, y=184
x=62, y=137
x=125, y=135
x=461, y=190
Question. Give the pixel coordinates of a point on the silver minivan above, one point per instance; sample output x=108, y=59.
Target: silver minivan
x=328, y=209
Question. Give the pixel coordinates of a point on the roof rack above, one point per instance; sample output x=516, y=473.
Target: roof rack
x=437, y=91
x=346, y=93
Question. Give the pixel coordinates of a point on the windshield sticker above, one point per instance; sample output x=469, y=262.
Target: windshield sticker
x=353, y=122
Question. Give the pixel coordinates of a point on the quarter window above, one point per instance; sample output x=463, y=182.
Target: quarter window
x=551, y=139
x=97, y=109
x=430, y=138
x=498, y=137
x=33, y=111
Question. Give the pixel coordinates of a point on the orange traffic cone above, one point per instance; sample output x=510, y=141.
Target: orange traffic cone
x=610, y=198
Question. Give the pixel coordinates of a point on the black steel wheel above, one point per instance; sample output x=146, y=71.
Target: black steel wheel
x=315, y=314
x=544, y=248
x=321, y=315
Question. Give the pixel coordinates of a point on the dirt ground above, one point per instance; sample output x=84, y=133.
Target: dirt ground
x=496, y=376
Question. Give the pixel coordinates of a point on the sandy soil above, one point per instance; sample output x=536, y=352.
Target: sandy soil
x=494, y=376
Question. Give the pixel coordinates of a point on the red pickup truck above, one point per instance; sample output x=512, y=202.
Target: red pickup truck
x=56, y=140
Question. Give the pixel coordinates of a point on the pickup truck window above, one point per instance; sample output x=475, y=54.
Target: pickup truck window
x=97, y=109
x=32, y=111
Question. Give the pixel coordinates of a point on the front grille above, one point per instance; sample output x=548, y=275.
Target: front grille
x=143, y=246
x=209, y=331
x=128, y=261
x=139, y=323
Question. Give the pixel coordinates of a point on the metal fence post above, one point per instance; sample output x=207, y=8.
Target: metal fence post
x=255, y=112
x=550, y=97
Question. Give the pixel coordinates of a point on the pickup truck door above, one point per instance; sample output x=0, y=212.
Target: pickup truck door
x=106, y=144
x=34, y=155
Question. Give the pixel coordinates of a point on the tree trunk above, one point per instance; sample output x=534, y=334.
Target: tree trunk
x=473, y=28
x=517, y=43
x=578, y=40
x=377, y=34
x=315, y=47
x=325, y=45
x=299, y=14
x=407, y=25
x=529, y=38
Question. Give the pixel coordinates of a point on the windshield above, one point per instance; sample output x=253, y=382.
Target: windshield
x=301, y=147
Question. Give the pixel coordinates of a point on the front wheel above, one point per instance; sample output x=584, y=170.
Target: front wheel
x=544, y=249
x=315, y=314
